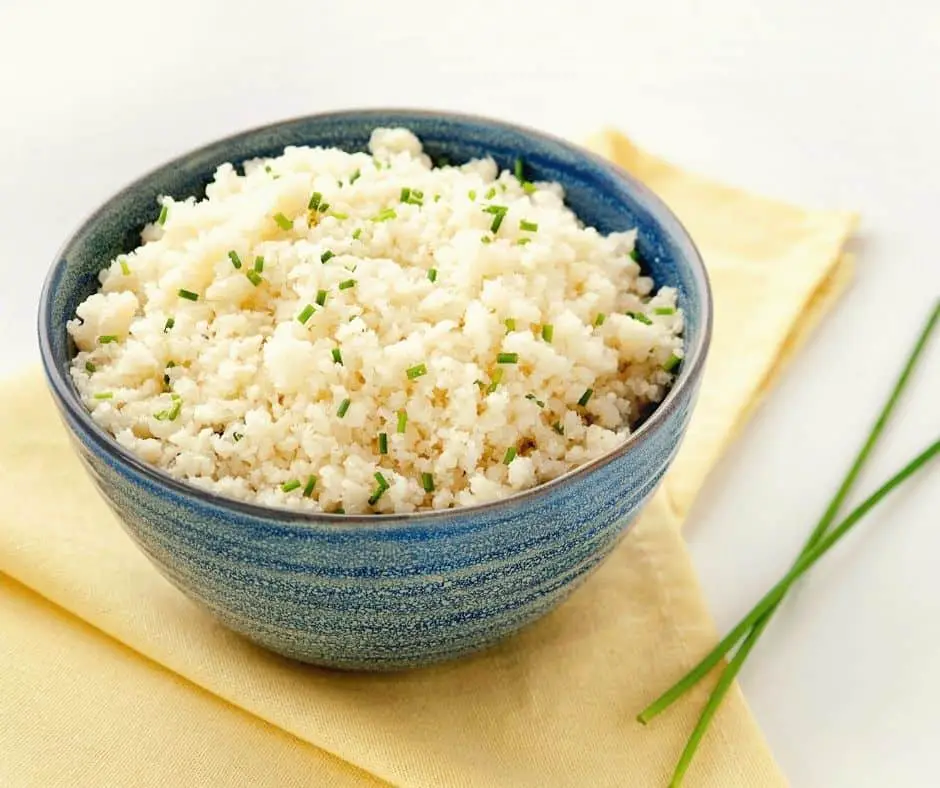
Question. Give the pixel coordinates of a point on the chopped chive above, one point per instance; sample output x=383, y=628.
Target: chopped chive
x=356, y=233
x=237, y=436
x=254, y=277
x=472, y=194
x=416, y=371
x=161, y=219
x=502, y=187
x=340, y=510
x=490, y=193
x=383, y=443
x=486, y=240
x=354, y=177
x=376, y=163
x=125, y=268
x=380, y=479
x=384, y=215
x=518, y=170
x=507, y=358
x=236, y=260
x=536, y=400
x=259, y=264
x=417, y=193
x=499, y=213
x=189, y=295
x=664, y=310
x=166, y=374
x=523, y=241
x=347, y=283
x=510, y=455
x=635, y=255
x=640, y=318
x=107, y=339
x=339, y=215
x=267, y=169
x=172, y=413
x=328, y=255
x=405, y=194
x=510, y=324
x=402, y=421
x=585, y=397
x=374, y=498
x=315, y=199
x=293, y=484
x=282, y=221
x=528, y=187
x=672, y=362
x=558, y=428
x=308, y=487
x=380, y=490
x=343, y=407
x=495, y=380
x=104, y=395
x=305, y=314
x=321, y=297
x=599, y=319
x=437, y=198
x=427, y=481
x=337, y=356
x=531, y=227
x=548, y=332
x=90, y=368
x=170, y=322
x=432, y=274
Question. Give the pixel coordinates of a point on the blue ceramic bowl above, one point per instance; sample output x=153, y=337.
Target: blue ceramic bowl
x=386, y=591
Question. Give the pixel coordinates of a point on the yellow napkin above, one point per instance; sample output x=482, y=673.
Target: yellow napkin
x=110, y=677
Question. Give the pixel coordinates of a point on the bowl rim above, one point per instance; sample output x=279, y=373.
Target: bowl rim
x=688, y=378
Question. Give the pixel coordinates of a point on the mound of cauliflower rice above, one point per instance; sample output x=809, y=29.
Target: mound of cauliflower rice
x=372, y=333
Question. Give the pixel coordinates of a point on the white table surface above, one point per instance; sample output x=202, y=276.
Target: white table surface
x=831, y=106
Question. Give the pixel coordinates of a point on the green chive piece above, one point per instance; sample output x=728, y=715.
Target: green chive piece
x=104, y=395
x=640, y=317
x=125, y=268
x=510, y=455
x=499, y=213
x=282, y=221
x=384, y=215
x=672, y=363
x=374, y=498
x=416, y=371
x=267, y=169
x=536, y=400
x=327, y=256
x=635, y=255
x=189, y=295
x=340, y=510
x=518, y=170
x=343, y=407
x=427, y=481
x=437, y=198
x=528, y=188
x=308, y=487
x=599, y=319
x=664, y=310
x=321, y=297
x=161, y=219
x=405, y=194
x=432, y=274
x=337, y=356
x=510, y=324
x=523, y=241
x=490, y=193
x=531, y=227
x=380, y=479
x=402, y=421
x=305, y=314
x=107, y=339
x=380, y=490
x=236, y=260
x=486, y=240
x=90, y=368
x=356, y=233
x=346, y=284
x=172, y=414
x=170, y=322
x=472, y=194
x=507, y=358
x=495, y=380
x=324, y=207
x=259, y=264
x=558, y=428
x=586, y=397
x=254, y=277
x=237, y=436
x=293, y=484
x=383, y=443
x=339, y=215
x=315, y=200
x=548, y=332
x=354, y=177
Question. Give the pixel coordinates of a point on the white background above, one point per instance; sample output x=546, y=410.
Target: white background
x=832, y=106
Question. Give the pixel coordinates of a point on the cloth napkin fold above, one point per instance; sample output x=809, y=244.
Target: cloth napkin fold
x=110, y=677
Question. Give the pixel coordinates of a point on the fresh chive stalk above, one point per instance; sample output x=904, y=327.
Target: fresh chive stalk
x=254, y=277
x=293, y=484
x=107, y=339
x=664, y=310
x=490, y=193
x=328, y=255
x=315, y=199
x=305, y=314
x=499, y=213
x=125, y=268
x=259, y=264
x=586, y=397
x=356, y=233
x=308, y=487
x=510, y=324
x=536, y=400
x=321, y=297
x=343, y=407
x=548, y=332
x=528, y=187
x=170, y=322
x=523, y=241
x=427, y=482
x=354, y=177
x=90, y=368
x=189, y=295
x=640, y=318
x=164, y=211
x=384, y=215
x=599, y=319
x=495, y=380
x=672, y=363
x=282, y=221
x=236, y=260
x=402, y=421
x=519, y=170
x=337, y=356
x=432, y=274
x=383, y=443
x=529, y=227
x=347, y=283
x=417, y=371
x=507, y=358
x=104, y=395
x=510, y=455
